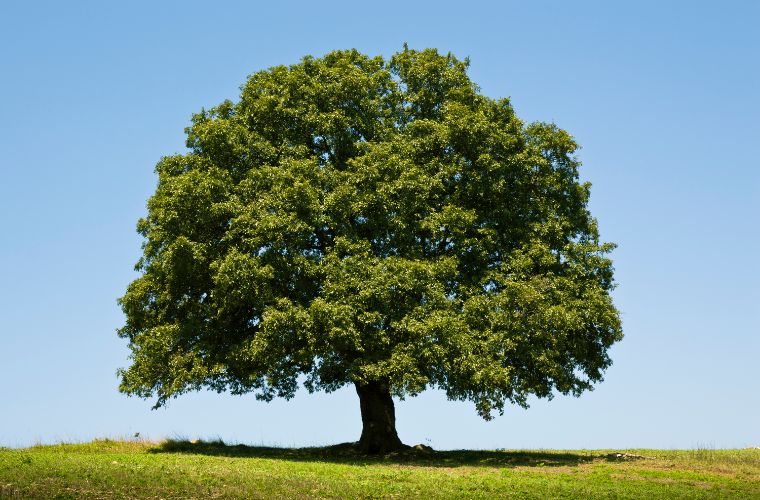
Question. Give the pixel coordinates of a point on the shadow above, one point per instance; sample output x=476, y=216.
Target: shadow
x=416, y=456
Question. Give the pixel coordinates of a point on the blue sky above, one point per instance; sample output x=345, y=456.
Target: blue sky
x=664, y=100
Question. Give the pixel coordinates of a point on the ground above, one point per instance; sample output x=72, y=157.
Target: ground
x=181, y=469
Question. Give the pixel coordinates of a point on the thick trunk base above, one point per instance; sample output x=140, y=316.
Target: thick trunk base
x=378, y=419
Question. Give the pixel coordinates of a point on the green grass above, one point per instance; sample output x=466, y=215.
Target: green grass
x=180, y=469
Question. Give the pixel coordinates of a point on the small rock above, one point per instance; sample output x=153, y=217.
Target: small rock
x=624, y=456
x=422, y=447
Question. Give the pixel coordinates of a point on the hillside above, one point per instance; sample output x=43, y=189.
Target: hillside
x=180, y=469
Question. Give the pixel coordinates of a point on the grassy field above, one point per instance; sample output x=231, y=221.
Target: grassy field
x=180, y=469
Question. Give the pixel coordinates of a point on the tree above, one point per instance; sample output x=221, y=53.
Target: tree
x=356, y=220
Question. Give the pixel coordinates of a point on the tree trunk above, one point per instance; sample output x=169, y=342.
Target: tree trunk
x=378, y=419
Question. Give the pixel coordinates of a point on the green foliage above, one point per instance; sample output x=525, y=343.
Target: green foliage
x=353, y=219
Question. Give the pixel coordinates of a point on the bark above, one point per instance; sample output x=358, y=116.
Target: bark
x=378, y=419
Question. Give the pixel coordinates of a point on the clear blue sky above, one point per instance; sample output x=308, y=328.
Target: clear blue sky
x=663, y=97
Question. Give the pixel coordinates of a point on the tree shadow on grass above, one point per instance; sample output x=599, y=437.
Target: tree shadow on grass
x=346, y=453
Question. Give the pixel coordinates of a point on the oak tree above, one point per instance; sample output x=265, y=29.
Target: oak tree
x=379, y=223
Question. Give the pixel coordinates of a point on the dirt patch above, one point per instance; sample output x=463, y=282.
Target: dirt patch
x=661, y=480
x=665, y=480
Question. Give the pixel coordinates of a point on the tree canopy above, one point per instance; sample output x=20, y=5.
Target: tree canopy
x=381, y=223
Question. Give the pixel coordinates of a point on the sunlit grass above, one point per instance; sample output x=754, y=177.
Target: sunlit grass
x=183, y=469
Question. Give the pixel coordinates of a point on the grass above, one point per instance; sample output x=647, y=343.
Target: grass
x=182, y=469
